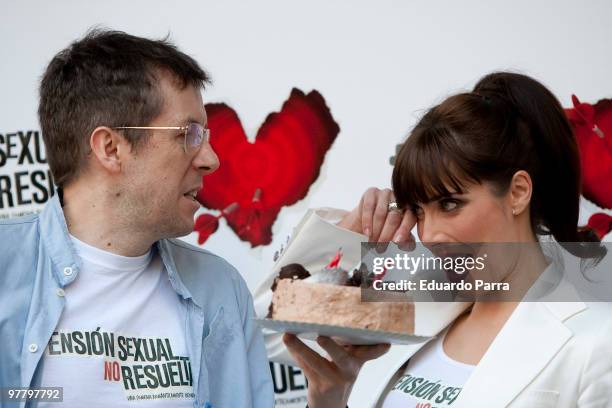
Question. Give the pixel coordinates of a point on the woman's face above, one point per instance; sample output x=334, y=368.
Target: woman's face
x=461, y=225
x=477, y=215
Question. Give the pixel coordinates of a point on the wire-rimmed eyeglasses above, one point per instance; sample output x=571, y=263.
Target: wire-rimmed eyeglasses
x=194, y=133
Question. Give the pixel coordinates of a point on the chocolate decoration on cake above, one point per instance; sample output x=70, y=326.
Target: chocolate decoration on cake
x=356, y=278
x=270, y=310
x=291, y=271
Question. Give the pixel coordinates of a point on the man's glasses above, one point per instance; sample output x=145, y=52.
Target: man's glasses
x=194, y=134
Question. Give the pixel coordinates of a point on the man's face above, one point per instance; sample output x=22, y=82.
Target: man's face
x=161, y=178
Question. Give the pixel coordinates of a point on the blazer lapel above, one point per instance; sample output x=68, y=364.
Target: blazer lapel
x=531, y=337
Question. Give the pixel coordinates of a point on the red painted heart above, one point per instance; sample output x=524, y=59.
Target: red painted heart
x=592, y=126
x=206, y=225
x=600, y=223
x=276, y=170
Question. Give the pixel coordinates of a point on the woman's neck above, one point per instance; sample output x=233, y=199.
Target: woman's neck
x=530, y=265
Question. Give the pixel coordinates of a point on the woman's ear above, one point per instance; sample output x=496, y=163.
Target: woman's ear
x=520, y=190
x=108, y=148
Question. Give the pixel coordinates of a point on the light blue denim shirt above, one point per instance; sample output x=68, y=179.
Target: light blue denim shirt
x=226, y=349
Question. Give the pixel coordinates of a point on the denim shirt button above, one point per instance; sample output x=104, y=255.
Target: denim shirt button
x=33, y=348
x=67, y=271
x=60, y=292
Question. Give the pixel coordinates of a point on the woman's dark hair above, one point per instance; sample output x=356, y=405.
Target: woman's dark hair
x=107, y=78
x=509, y=122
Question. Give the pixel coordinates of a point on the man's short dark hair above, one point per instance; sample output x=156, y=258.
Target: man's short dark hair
x=108, y=78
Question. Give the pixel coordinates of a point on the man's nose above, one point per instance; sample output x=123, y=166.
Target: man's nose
x=206, y=160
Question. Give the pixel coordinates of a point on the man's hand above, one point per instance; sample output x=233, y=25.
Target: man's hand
x=330, y=381
x=373, y=218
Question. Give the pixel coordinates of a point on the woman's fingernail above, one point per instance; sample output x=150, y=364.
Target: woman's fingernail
x=398, y=238
x=366, y=231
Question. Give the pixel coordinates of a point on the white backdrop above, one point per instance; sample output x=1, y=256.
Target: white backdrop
x=377, y=64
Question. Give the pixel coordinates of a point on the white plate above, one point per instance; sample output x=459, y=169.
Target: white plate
x=344, y=335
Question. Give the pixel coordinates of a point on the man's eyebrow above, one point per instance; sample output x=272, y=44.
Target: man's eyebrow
x=191, y=119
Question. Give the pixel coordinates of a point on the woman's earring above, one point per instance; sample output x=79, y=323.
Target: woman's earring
x=513, y=211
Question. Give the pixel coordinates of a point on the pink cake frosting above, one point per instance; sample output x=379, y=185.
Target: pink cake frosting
x=323, y=303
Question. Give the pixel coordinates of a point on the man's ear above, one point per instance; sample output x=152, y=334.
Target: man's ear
x=520, y=190
x=109, y=148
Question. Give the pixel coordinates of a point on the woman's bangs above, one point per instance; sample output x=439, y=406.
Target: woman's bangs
x=429, y=167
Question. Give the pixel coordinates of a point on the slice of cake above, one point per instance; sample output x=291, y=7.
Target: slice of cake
x=328, y=298
x=324, y=303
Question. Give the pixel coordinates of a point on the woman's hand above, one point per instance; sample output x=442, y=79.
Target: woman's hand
x=330, y=381
x=373, y=218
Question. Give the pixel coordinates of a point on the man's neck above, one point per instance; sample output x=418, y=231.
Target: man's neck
x=94, y=216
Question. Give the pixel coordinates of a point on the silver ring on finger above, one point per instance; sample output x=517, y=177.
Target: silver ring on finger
x=392, y=206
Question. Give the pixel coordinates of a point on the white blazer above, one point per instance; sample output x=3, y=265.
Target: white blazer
x=548, y=354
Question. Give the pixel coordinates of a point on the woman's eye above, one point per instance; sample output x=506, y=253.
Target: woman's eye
x=449, y=205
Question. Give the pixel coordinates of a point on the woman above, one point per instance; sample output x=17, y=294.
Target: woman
x=498, y=164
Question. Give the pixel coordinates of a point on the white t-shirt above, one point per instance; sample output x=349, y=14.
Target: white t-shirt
x=431, y=380
x=120, y=341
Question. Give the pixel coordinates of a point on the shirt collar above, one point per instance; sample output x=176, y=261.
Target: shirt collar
x=56, y=239
x=165, y=248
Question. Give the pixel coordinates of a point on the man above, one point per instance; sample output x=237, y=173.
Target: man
x=101, y=300
x=96, y=296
